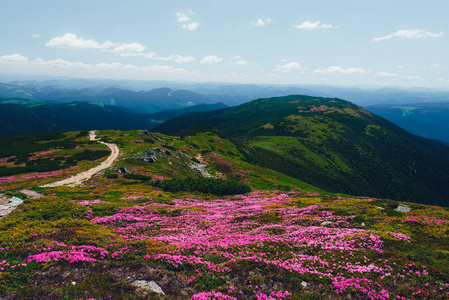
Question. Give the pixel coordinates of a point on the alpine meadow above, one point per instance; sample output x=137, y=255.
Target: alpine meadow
x=224, y=150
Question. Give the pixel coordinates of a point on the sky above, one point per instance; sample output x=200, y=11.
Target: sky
x=336, y=42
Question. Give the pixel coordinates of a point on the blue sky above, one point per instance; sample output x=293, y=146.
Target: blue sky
x=340, y=42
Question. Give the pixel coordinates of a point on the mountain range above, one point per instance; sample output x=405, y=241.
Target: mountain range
x=151, y=101
x=421, y=111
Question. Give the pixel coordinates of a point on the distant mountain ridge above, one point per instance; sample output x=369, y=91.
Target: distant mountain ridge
x=19, y=116
x=333, y=144
x=429, y=120
x=139, y=101
x=229, y=93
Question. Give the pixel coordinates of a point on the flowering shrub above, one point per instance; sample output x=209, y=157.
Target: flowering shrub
x=221, y=237
x=94, y=241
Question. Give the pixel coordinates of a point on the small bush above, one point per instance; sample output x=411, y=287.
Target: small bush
x=101, y=210
x=205, y=185
x=112, y=176
x=137, y=177
x=148, y=140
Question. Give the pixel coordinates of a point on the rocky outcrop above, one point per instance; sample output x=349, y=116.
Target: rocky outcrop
x=122, y=170
x=149, y=155
x=149, y=286
x=14, y=201
x=8, y=205
x=201, y=168
x=146, y=133
x=403, y=208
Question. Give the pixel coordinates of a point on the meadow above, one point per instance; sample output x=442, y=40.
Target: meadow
x=284, y=239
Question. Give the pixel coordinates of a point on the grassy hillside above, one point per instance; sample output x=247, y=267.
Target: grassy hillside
x=333, y=144
x=285, y=239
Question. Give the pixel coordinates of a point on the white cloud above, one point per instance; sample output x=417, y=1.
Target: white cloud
x=61, y=63
x=71, y=41
x=289, y=67
x=413, y=77
x=144, y=54
x=61, y=66
x=271, y=75
x=240, y=62
x=36, y=36
x=129, y=48
x=436, y=65
x=191, y=26
x=385, y=74
x=261, y=22
x=177, y=58
x=153, y=55
x=307, y=25
x=335, y=69
x=184, y=17
x=410, y=34
x=17, y=58
x=211, y=59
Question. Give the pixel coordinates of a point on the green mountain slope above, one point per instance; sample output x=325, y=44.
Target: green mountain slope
x=17, y=118
x=332, y=144
x=172, y=113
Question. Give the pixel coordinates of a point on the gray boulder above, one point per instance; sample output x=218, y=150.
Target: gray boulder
x=149, y=285
x=122, y=170
x=14, y=201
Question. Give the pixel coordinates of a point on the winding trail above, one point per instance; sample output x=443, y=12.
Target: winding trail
x=79, y=178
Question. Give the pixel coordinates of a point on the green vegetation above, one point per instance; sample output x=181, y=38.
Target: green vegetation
x=137, y=177
x=329, y=143
x=218, y=187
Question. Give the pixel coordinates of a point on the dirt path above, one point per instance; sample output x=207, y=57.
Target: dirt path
x=79, y=178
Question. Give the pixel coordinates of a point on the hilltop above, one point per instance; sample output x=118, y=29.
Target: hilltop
x=161, y=226
x=333, y=144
